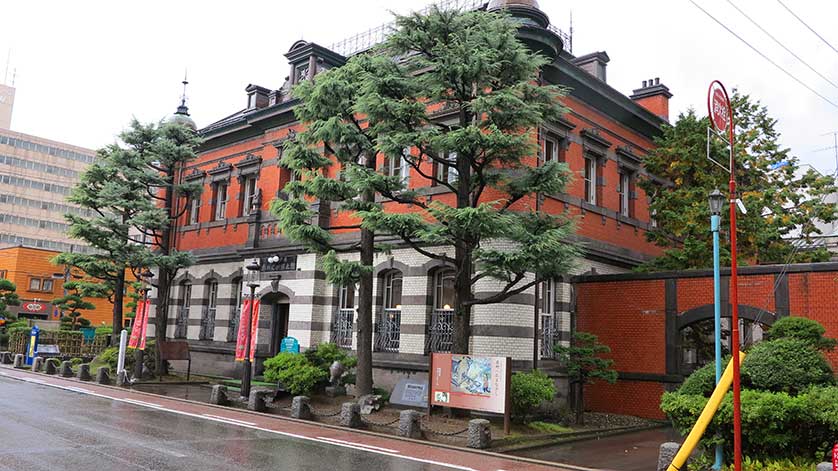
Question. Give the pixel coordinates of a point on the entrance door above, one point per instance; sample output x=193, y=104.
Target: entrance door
x=279, y=325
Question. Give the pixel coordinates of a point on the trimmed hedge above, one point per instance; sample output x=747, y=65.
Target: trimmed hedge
x=529, y=390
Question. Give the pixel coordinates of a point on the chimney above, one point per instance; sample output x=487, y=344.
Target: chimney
x=257, y=97
x=594, y=64
x=654, y=96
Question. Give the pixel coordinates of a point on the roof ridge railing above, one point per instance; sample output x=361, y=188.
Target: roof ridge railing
x=366, y=40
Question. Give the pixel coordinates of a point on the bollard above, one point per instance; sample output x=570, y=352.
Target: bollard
x=256, y=401
x=84, y=372
x=37, y=364
x=103, y=375
x=51, y=366
x=6, y=358
x=122, y=378
x=350, y=415
x=300, y=408
x=19, y=360
x=666, y=454
x=479, y=434
x=66, y=369
x=219, y=395
x=409, y=424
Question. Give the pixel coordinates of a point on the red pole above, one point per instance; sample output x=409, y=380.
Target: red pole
x=734, y=313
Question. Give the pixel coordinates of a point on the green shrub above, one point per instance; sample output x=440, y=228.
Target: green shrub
x=297, y=374
x=799, y=464
x=76, y=361
x=775, y=425
x=785, y=364
x=104, y=330
x=548, y=427
x=110, y=357
x=801, y=328
x=529, y=390
x=324, y=354
x=702, y=381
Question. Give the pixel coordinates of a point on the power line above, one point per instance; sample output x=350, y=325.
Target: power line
x=780, y=43
x=764, y=56
x=806, y=25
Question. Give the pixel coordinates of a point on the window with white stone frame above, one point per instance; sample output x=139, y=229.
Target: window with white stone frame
x=220, y=201
x=389, y=324
x=441, y=329
x=249, y=184
x=345, y=316
x=552, y=150
x=590, y=174
x=194, y=209
x=624, y=192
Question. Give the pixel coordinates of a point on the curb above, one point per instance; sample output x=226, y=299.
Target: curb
x=328, y=426
x=562, y=439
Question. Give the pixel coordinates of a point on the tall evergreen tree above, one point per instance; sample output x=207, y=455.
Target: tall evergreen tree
x=472, y=64
x=75, y=302
x=780, y=199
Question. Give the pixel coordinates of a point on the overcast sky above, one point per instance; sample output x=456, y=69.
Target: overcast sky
x=84, y=68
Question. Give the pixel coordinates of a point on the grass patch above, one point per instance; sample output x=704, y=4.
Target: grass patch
x=547, y=427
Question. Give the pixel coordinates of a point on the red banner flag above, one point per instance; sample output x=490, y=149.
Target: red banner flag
x=254, y=329
x=135, y=327
x=244, y=321
x=144, y=326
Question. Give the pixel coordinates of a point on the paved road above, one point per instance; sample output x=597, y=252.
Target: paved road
x=49, y=423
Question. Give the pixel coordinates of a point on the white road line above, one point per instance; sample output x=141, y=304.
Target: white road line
x=227, y=419
x=255, y=427
x=371, y=447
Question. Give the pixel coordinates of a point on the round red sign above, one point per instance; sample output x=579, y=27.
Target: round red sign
x=34, y=307
x=718, y=106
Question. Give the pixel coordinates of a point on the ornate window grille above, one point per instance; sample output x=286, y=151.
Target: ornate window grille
x=233, y=326
x=342, y=322
x=208, y=315
x=389, y=322
x=549, y=321
x=441, y=331
x=183, y=313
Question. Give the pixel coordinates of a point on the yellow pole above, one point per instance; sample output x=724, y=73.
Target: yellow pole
x=706, y=416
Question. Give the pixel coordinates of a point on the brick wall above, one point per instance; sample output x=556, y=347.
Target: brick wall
x=636, y=316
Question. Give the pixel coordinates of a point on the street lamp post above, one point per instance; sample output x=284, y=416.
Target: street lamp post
x=717, y=201
x=254, y=268
x=145, y=278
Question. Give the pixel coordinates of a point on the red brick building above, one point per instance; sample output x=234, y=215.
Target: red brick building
x=602, y=139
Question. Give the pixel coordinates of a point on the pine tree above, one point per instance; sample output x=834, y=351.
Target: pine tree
x=781, y=201
x=584, y=365
x=74, y=302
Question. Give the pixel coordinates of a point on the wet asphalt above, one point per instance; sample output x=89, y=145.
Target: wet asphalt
x=44, y=428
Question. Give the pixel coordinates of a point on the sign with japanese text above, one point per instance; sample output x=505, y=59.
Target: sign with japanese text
x=718, y=107
x=470, y=382
x=289, y=344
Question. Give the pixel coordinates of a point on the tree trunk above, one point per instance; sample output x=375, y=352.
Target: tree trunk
x=118, y=293
x=363, y=374
x=580, y=403
x=463, y=252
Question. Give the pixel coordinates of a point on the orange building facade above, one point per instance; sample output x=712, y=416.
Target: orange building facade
x=602, y=139
x=39, y=281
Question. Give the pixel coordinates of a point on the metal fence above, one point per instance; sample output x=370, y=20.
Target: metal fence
x=342, y=328
x=181, y=323
x=441, y=331
x=389, y=331
x=207, y=331
x=233, y=329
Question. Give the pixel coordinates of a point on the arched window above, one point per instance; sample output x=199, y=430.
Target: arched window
x=389, y=321
x=236, y=311
x=183, y=312
x=440, y=332
x=208, y=314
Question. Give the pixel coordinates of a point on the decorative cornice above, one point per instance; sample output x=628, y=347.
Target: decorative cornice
x=195, y=174
x=592, y=135
x=220, y=168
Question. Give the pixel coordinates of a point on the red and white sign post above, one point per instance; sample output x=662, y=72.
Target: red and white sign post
x=835, y=458
x=721, y=118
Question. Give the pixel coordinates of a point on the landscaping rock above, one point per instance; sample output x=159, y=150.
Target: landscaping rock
x=66, y=369
x=84, y=372
x=51, y=366
x=350, y=415
x=37, y=364
x=219, y=395
x=301, y=408
x=369, y=403
x=6, y=358
x=666, y=454
x=19, y=361
x=479, y=434
x=256, y=401
x=824, y=466
x=103, y=375
x=409, y=424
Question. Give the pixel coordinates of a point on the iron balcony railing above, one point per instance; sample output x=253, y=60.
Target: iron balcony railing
x=441, y=331
x=181, y=322
x=207, y=331
x=389, y=331
x=233, y=326
x=342, y=328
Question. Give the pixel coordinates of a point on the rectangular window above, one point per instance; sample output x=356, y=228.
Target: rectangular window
x=624, y=191
x=398, y=167
x=447, y=172
x=220, y=201
x=590, y=180
x=3, y=274
x=249, y=196
x=551, y=149
x=34, y=284
x=548, y=297
x=46, y=285
x=194, y=210
x=346, y=297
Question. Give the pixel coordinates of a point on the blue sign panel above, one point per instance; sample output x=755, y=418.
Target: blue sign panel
x=289, y=344
x=32, y=346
